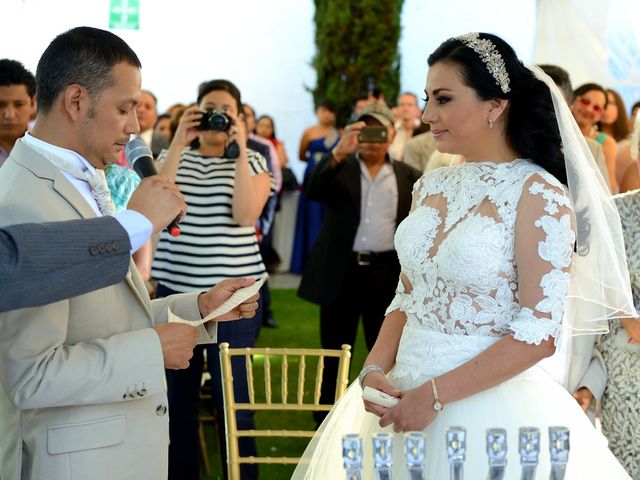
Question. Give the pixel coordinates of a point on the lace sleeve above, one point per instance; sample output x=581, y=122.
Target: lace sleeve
x=399, y=302
x=544, y=243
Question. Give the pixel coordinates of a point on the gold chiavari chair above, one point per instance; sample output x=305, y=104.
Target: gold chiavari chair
x=301, y=402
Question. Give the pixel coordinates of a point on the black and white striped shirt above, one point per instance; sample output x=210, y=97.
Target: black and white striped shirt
x=212, y=246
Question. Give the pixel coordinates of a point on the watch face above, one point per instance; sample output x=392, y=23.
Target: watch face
x=437, y=406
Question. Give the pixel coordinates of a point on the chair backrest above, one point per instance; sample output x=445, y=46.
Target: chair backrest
x=300, y=400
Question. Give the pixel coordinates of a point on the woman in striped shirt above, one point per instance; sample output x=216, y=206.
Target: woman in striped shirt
x=225, y=198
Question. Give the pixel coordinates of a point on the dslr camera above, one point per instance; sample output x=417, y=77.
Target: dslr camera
x=219, y=121
x=215, y=120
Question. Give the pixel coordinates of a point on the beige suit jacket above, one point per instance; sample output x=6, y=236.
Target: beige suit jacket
x=83, y=386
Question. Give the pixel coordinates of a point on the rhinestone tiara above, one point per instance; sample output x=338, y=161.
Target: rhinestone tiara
x=490, y=56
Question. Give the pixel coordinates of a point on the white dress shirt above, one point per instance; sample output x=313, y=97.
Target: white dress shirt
x=138, y=227
x=378, y=210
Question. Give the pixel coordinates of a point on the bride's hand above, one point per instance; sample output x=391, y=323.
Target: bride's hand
x=378, y=381
x=414, y=411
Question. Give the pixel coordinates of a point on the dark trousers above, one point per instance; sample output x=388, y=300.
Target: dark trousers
x=184, y=400
x=366, y=292
x=265, y=294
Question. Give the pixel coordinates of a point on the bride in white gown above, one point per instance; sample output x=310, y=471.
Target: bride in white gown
x=499, y=257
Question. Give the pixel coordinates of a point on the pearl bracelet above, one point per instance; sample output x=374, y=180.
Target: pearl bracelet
x=367, y=370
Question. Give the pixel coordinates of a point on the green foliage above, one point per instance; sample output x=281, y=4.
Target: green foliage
x=356, y=40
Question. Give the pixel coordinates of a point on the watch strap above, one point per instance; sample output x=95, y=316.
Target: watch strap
x=437, y=404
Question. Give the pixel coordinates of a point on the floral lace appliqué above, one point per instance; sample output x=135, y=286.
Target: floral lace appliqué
x=555, y=286
x=553, y=198
x=558, y=246
x=531, y=329
x=457, y=252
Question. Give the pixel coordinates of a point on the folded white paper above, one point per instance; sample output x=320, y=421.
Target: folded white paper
x=238, y=297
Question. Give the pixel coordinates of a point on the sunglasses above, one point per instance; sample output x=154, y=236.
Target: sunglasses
x=586, y=102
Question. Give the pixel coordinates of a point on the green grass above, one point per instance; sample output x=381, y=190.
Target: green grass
x=298, y=322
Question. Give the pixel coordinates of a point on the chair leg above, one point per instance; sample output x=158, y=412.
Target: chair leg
x=203, y=450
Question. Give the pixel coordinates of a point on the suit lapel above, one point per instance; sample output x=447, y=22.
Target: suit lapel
x=353, y=182
x=43, y=168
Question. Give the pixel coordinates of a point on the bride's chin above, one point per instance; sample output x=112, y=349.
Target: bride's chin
x=442, y=147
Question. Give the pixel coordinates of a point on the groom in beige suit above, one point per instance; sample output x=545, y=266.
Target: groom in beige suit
x=82, y=380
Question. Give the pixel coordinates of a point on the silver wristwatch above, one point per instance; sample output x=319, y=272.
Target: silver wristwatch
x=367, y=370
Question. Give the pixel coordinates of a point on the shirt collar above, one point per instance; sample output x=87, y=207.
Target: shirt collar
x=47, y=150
x=387, y=159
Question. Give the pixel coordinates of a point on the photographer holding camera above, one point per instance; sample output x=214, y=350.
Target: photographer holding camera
x=353, y=267
x=226, y=186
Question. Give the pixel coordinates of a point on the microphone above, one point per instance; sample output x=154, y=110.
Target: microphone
x=140, y=159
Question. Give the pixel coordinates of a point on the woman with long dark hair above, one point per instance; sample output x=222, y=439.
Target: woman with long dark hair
x=614, y=121
x=500, y=256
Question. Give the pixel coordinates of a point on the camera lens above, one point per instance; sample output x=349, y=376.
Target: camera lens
x=219, y=122
x=215, y=120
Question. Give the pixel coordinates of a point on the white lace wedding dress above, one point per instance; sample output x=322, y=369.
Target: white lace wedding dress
x=485, y=253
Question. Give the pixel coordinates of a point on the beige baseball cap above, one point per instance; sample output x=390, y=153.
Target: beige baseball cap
x=378, y=111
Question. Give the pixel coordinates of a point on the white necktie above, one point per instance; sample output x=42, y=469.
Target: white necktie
x=96, y=180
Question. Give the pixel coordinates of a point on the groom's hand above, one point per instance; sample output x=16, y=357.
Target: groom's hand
x=177, y=341
x=214, y=297
x=158, y=199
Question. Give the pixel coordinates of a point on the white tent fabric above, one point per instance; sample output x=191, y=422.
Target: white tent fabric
x=594, y=40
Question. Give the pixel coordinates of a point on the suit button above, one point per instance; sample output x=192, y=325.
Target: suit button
x=101, y=248
x=116, y=245
x=93, y=251
x=161, y=410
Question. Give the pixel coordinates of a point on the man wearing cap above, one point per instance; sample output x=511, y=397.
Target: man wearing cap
x=353, y=268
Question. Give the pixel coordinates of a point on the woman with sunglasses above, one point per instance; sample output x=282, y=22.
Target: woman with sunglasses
x=589, y=103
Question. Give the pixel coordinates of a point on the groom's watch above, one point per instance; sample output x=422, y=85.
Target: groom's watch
x=437, y=404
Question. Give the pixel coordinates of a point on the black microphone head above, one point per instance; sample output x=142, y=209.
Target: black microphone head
x=139, y=157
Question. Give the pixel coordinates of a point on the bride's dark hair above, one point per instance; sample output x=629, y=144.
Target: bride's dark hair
x=531, y=126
